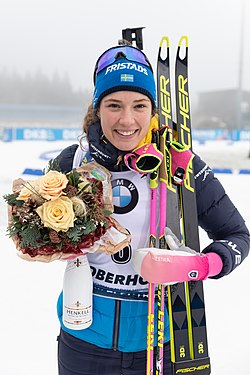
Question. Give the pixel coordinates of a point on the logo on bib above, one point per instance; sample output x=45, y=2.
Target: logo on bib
x=125, y=196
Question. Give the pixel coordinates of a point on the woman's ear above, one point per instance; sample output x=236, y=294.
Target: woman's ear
x=96, y=113
x=154, y=112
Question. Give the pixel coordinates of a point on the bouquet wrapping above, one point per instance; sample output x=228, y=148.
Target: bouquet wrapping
x=63, y=215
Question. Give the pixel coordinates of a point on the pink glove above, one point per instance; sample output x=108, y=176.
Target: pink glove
x=180, y=263
x=144, y=159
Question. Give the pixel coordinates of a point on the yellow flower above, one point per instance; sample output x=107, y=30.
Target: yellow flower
x=51, y=185
x=29, y=190
x=79, y=207
x=57, y=214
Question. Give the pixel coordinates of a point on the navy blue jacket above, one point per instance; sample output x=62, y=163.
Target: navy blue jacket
x=217, y=215
x=121, y=324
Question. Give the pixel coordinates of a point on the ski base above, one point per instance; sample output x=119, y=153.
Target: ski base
x=199, y=366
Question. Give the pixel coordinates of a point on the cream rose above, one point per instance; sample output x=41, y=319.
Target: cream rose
x=51, y=185
x=57, y=214
x=28, y=190
x=79, y=207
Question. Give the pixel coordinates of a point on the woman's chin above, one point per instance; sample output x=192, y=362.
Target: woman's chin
x=126, y=144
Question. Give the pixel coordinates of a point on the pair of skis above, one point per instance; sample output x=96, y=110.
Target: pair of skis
x=186, y=309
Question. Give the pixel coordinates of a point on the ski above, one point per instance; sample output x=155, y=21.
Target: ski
x=186, y=308
x=197, y=361
x=179, y=338
x=188, y=338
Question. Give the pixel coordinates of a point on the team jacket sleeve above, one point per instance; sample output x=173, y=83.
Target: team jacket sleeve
x=218, y=216
x=66, y=157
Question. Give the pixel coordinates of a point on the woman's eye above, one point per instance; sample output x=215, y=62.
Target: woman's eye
x=140, y=106
x=113, y=105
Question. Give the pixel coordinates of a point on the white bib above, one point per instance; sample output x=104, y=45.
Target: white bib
x=131, y=198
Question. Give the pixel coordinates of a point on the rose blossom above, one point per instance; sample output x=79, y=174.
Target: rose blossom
x=51, y=185
x=28, y=191
x=57, y=214
x=79, y=207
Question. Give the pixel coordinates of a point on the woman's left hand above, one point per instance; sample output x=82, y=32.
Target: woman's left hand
x=178, y=264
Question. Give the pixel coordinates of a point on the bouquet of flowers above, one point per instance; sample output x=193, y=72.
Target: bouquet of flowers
x=60, y=215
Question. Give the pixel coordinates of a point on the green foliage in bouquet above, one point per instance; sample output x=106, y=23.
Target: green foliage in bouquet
x=57, y=212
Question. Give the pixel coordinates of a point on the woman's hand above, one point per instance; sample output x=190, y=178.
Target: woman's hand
x=178, y=264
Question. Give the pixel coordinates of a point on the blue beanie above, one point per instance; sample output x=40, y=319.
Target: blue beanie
x=124, y=75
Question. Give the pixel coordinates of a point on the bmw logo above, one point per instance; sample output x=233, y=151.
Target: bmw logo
x=125, y=196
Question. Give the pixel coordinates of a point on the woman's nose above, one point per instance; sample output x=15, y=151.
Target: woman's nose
x=126, y=117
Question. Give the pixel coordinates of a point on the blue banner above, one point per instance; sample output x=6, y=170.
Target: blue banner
x=209, y=134
x=40, y=134
x=69, y=134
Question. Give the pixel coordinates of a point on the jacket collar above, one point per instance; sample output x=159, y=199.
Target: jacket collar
x=102, y=151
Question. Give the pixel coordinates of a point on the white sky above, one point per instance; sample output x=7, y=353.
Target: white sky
x=67, y=36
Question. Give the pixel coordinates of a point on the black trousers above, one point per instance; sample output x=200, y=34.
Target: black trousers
x=76, y=357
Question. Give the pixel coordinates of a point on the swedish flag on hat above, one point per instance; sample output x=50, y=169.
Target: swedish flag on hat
x=123, y=75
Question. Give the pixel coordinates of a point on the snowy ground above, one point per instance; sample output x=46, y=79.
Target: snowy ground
x=29, y=291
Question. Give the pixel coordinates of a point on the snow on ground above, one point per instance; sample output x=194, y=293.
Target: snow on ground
x=225, y=154
x=28, y=291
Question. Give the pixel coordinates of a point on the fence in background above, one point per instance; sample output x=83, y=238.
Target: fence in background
x=9, y=134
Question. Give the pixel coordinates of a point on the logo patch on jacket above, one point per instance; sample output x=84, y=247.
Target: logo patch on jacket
x=125, y=196
x=204, y=171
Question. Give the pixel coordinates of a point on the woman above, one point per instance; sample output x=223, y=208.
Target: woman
x=120, y=119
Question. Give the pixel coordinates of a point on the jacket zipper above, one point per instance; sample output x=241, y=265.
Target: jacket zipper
x=116, y=324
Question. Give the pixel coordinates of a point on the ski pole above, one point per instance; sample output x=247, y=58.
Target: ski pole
x=165, y=116
x=162, y=245
x=151, y=289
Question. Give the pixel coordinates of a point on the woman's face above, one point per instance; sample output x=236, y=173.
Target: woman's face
x=125, y=118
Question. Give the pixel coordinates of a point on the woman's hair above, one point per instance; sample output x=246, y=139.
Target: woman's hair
x=89, y=118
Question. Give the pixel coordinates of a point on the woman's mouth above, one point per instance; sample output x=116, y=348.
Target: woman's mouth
x=126, y=133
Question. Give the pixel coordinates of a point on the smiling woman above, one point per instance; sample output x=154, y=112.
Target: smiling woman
x=120, y=128
x=125, y=117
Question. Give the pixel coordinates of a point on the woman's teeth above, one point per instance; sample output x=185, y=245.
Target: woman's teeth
x=126, y=133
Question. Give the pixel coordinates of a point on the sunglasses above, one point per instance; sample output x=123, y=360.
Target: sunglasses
x=128, y=52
